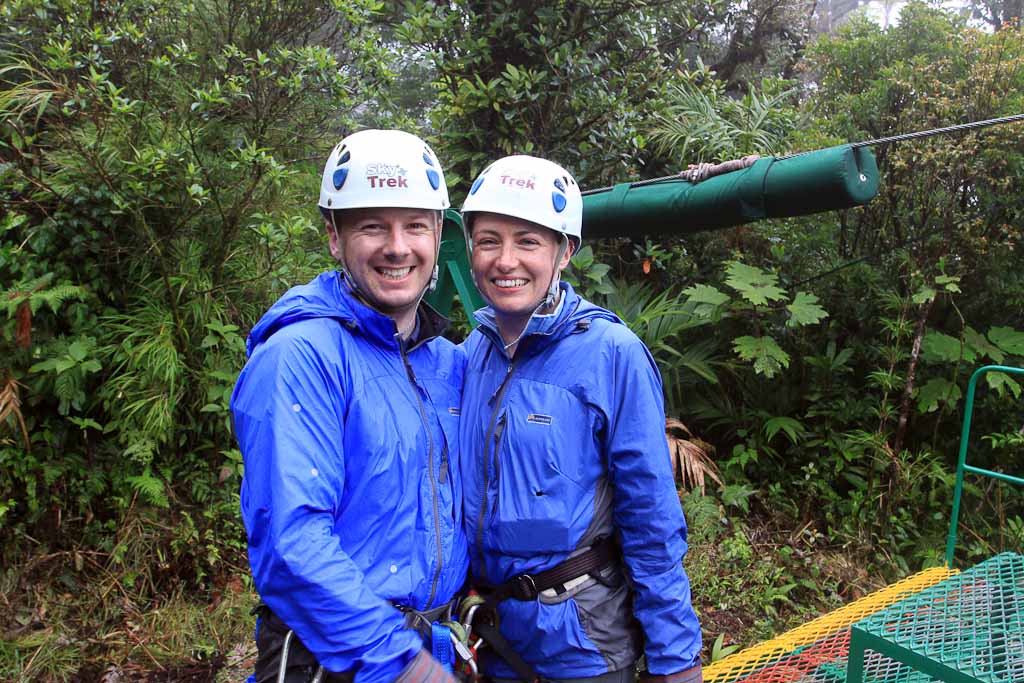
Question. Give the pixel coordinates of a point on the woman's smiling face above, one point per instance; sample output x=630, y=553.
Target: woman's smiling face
x=513, y=263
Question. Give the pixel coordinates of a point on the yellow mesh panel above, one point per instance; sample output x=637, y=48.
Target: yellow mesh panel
x=735, y=667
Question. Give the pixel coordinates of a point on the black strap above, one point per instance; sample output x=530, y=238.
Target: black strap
x=503, y=649
x=528, y=586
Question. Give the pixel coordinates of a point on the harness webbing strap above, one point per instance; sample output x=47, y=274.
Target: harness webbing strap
x=441, y=645
x=503, y=649
x=529, y=586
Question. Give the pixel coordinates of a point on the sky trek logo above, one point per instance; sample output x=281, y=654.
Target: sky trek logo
x=386, y=175
x=512, y=181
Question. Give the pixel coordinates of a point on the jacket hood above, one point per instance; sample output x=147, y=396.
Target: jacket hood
x=328, y=295
x=325, y=296
x=573, y=313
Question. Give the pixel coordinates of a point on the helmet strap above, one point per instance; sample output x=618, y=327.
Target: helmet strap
x=552, y=297
x=437, y=254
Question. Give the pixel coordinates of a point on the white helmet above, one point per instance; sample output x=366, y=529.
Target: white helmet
x=535, y=190
x=383, y=168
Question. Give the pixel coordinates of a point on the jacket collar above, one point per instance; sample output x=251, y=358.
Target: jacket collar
x=382, y=329
x=541, y=330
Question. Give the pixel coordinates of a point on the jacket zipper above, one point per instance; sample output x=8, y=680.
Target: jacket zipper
x=430, y=469
x=499, y=394
x=499, y=433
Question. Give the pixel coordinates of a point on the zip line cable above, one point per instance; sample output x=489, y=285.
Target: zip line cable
x=864, y=143
x=938, y=131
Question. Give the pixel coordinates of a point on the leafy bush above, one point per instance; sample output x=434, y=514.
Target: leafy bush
x=159, y=198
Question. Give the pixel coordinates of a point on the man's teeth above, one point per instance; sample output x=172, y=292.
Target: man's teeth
x=511, y=283
x=394, y=273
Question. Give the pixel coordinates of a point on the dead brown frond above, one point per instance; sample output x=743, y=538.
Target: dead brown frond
x=10, y=405
x=691, y=457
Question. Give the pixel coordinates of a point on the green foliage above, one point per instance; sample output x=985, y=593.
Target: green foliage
x=702, y=123
x=157, y=200
x=758, y=303
x=574, y=83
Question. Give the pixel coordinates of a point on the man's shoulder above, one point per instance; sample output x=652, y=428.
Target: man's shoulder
x=303, y=337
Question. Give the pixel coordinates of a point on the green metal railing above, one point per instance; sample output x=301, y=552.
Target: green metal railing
x=962, y=467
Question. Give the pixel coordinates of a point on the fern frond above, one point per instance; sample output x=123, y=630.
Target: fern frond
x=149, y=488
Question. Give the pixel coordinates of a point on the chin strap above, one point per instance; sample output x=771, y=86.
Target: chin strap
x=552, y=297
x=437, y=255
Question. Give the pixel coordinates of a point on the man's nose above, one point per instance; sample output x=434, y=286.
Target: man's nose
x=397, y=245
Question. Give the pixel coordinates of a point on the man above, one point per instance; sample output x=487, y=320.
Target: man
x=347, y=416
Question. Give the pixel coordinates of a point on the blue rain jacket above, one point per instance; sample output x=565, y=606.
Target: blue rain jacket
x=563, y=444
x=350, y=499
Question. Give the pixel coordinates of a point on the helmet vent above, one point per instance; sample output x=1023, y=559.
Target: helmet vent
x=428, y=160
x=558, y=201
x=339, y=177
x=476, y=185
x=344, y=158
x=435, y=180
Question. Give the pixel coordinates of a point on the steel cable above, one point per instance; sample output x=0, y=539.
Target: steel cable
x=864, y=143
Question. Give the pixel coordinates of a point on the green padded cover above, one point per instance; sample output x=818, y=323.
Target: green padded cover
x=824, y=180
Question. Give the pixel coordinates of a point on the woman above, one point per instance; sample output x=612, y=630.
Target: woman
x=575, y=529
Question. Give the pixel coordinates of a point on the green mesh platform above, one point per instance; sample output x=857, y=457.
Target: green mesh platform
x=966, y=629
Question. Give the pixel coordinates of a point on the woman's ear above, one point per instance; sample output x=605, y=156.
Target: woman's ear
x=570, y=249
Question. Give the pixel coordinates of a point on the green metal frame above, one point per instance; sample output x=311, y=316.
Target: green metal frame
x=454, y=276
x=958, y=624
x=967, y=628
x=861, y=640
x=961, y=466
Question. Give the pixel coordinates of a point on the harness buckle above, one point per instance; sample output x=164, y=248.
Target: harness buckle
x=524, y=588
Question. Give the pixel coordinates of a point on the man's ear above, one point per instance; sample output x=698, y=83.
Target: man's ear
x=333, y=241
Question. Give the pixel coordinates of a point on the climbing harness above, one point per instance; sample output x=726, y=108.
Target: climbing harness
x=563, y=577
x=446, y=638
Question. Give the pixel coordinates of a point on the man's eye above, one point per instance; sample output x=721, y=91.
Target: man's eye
x=419, y=227
x=371, y=227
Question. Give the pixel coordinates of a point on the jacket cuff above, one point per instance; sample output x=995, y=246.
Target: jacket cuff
x=691, y=675
x=424, y=669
